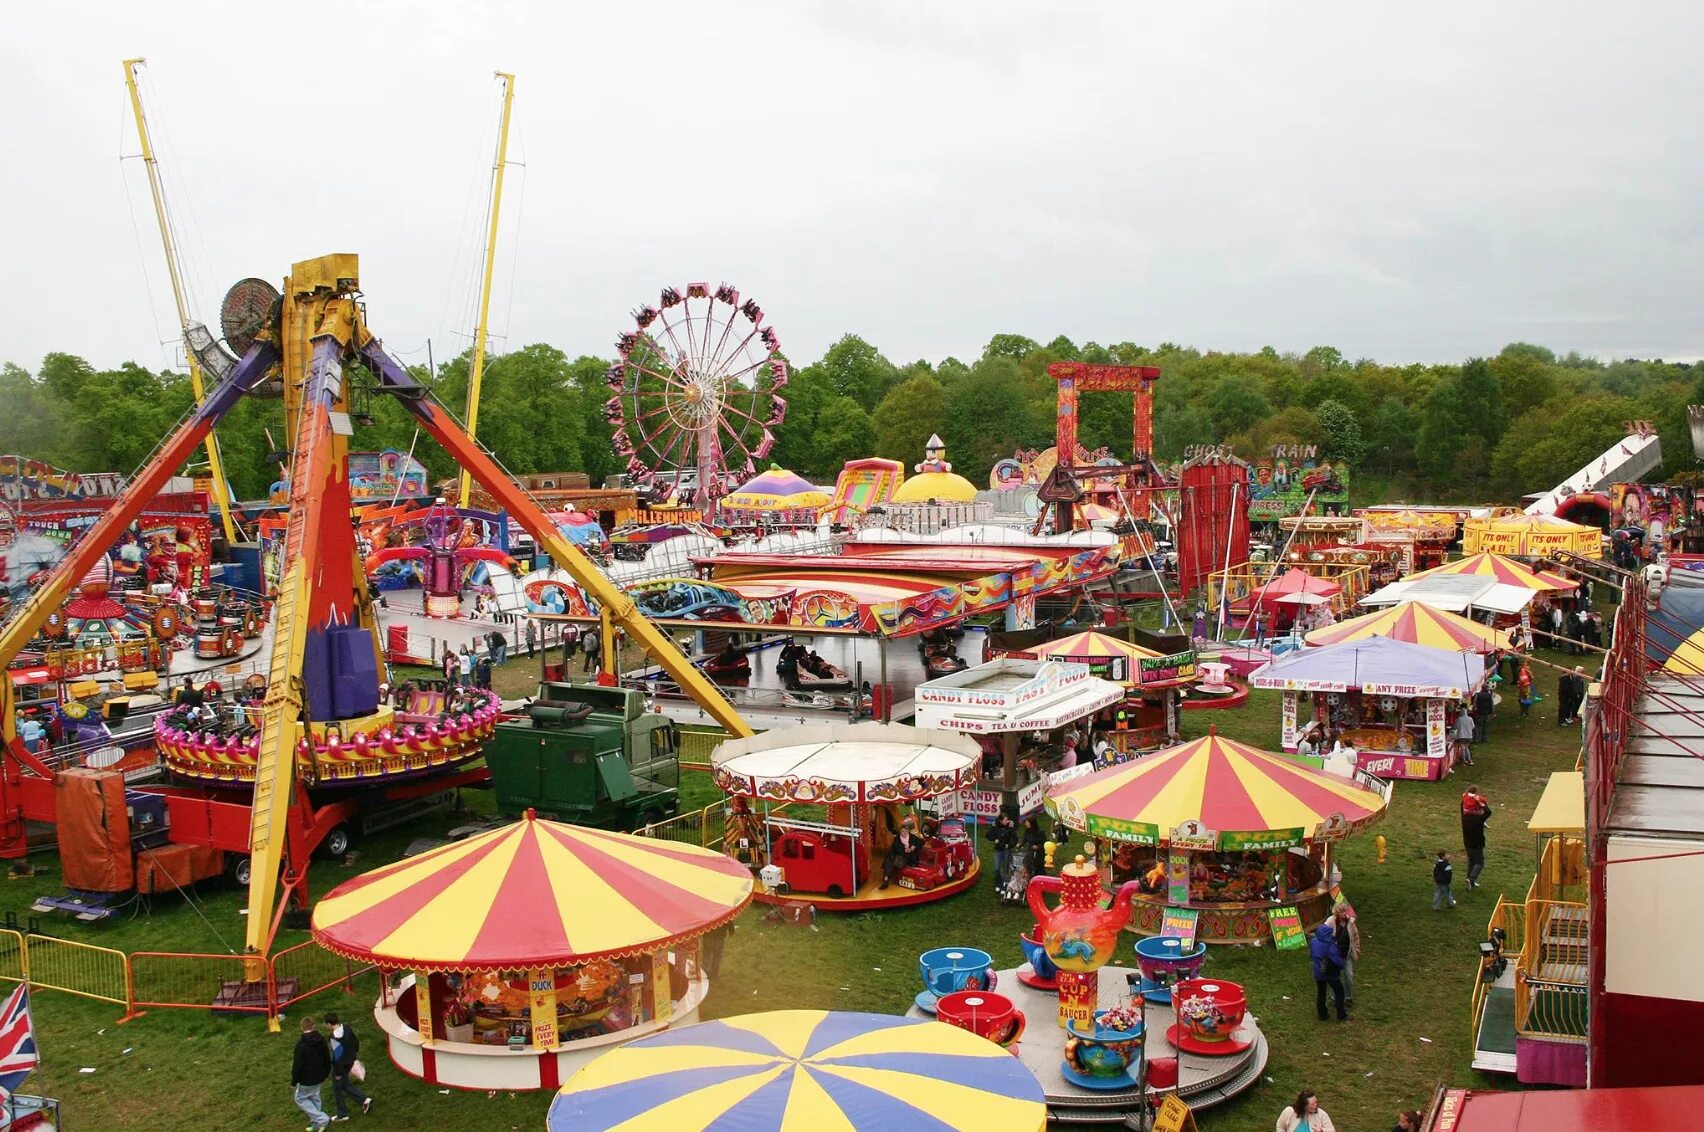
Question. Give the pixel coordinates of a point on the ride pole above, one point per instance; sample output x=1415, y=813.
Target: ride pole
x=478, y=370
x=215, y=466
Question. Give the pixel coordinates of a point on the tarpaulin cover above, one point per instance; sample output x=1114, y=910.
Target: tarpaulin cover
x=171, y=867
x=1379, y=666
x=94, y=832
x=804, y=1069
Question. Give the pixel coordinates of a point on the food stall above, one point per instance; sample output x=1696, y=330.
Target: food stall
x=1004, y=698
x=1233, y=837
x=1154, y=684
x=868, y=777
x=526, y=951
x=1394, y=702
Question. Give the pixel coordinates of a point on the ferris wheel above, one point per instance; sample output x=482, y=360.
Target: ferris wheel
x=697, y=391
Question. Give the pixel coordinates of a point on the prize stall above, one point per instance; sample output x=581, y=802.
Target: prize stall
x=1529, y=536
x=1415, y=623
x=1395, y=703
x=862, y=783
x=1002, y=699
x=1154, y=684
x=526, y=951
x=1232, y=842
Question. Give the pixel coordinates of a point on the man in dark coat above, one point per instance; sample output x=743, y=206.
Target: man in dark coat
x=345, y=1048
x=1482, y=706
x=309, y=1069
x=1475, y=812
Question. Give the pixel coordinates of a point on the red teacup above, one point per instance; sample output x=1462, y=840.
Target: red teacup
x=983, y=1013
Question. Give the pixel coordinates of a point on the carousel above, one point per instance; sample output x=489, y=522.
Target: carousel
x=1235, y=839
x=1154, y=685
x=867, y=847
x=1394, y=702
x=526, y=951
x=805, y=1069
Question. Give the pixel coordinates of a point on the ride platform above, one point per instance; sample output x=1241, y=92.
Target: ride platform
x=1203, y=1081
x=871, y=896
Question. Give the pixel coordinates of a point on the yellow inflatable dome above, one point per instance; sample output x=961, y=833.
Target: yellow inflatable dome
x=948, y=487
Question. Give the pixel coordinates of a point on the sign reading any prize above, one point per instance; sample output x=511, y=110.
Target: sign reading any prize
x=1192, y=834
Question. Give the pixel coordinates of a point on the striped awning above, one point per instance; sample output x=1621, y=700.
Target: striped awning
x=1417, y=624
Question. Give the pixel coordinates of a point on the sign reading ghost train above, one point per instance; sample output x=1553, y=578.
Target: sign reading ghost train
x=1283, y=480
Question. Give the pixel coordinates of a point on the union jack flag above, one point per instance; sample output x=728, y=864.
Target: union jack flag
x=18, y=1053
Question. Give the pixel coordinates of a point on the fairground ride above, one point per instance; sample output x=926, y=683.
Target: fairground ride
x=325, y=660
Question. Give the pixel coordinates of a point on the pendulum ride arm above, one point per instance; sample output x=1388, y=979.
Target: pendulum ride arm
x=275, y=764
x=610, y=597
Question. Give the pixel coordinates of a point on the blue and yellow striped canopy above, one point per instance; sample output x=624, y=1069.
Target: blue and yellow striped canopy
x=804, y=1071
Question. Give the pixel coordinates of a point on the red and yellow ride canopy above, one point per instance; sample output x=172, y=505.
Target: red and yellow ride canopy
x=1417, y=624
x=1245, y=797
x=533, y=894
x=1500, y=569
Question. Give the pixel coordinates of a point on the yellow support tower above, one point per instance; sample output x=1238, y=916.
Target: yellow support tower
x=478, y=370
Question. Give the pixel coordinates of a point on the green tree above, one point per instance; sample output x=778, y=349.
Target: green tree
x=907, y=416
x=1009, y=346
x=1177, y=428
x=1236, y=404
x=1390, y=436
x=858, y=370
x=843, y=432
x=1342, y=430
x=1525, y=380
x=1337, y=386
x=989, y=415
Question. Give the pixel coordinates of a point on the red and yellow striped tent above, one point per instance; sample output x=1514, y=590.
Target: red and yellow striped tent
x=1245, y=796
x=1418, y=624
x=533, y=894
x=1098, y=651
x=1498, y=568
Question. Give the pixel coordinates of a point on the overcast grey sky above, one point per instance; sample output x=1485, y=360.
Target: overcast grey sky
x=1408, y=182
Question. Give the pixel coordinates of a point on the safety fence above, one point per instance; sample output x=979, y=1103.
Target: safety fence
x=697, y=744
x=155, y=980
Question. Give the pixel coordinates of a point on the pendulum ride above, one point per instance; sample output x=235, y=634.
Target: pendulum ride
x=321, y=720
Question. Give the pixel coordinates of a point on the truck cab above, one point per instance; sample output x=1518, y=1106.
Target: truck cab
x=589, y=755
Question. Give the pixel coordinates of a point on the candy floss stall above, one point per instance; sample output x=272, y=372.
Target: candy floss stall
x=1396, y=703
x=528, y=950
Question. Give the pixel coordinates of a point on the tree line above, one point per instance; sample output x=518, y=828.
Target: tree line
x=1480, y=430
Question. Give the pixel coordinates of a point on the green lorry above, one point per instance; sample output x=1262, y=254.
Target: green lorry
x=588, y=755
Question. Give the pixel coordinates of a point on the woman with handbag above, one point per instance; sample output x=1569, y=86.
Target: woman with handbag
x=347, y=1072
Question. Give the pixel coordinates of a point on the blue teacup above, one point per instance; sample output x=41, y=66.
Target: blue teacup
x=1040, y=962
x=946, y=970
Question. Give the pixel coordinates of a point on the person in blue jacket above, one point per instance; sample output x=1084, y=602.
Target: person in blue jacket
x=1327, y=969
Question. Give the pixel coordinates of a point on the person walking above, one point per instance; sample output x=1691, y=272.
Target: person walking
x=1523, y=685
x=1347, y=933
x=1443, y=875
x=1305, y=1115
x=1564, y=699
x=345, y=1050
x=309, y=1067
x=1576, y=693
x=1004, y=837
x=1260, y=627
x=591, y=643
x=1327, y=970
x=1475, y=814
x=1464, y=729
x=1483, y=703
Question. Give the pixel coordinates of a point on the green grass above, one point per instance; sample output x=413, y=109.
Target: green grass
x=189, y=1069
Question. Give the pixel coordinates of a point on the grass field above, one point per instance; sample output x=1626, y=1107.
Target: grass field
x=186, y=1069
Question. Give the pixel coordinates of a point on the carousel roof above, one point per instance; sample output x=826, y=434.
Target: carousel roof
x=837, y=762
x=1498, y=568
x=532, y=894
x=1254, y=796
x=1296, y=581
x=803, y=1069
x=1092, y=645
x=1378, y=666
x=1417, y=624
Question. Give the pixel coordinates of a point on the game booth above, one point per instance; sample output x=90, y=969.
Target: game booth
x=1232, y=838
x=1417, y=624
x=1003, y=699
x=527, y=951
x=1154, y=684
x=1395, y=703
x=862, y=782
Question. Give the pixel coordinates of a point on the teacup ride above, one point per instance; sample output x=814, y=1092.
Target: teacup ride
x=1209, y=1013
x=985, y=1014
x=1101, y=1057
x=948, y=970
x=1165, y=960
x=1039, y=971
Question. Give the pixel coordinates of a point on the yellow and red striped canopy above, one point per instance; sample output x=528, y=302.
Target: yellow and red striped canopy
x=1418, y=624
x=533, y=894
x=1230, y=788
x=1501, y=569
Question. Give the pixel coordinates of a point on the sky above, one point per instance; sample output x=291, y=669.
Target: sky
x=1419, y=182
